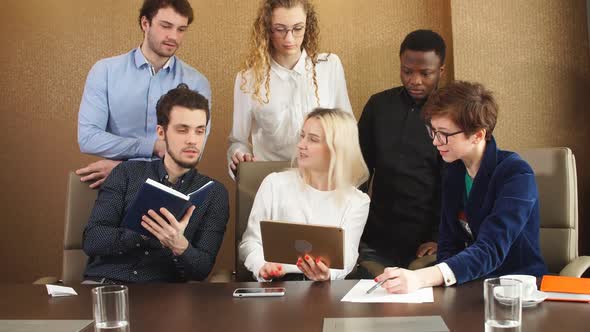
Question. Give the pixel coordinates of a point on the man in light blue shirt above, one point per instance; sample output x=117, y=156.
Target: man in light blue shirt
x=117, y=118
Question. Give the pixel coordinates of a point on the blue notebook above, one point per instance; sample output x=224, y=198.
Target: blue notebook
x=154, y=195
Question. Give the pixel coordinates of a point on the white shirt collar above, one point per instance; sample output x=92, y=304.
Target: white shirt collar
x=283, y=72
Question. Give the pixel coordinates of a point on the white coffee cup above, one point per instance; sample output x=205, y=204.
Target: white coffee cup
x=529, y=284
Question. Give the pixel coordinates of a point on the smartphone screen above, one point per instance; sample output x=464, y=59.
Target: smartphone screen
x=261, y=292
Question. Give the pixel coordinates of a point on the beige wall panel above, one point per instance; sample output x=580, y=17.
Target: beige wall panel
x=50, y=45
x=367, y=35
x=534, y=55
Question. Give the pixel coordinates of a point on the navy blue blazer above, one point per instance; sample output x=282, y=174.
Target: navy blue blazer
x=502, y=212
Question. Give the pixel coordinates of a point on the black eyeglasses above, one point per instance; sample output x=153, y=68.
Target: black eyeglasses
x=442, y=138
x=282, y=31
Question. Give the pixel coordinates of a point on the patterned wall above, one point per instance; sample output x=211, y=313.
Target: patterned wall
x=49, y=46
x=538, y=64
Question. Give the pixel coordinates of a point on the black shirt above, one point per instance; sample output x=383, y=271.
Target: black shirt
x=119, y=254
x=405, y=171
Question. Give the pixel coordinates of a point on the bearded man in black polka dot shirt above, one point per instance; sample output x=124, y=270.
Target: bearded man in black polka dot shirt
x=181, y=250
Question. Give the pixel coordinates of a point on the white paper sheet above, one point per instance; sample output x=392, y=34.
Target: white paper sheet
x=56, y=291
x=358, y=293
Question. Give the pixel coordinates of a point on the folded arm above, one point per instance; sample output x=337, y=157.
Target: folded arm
x=498, y=231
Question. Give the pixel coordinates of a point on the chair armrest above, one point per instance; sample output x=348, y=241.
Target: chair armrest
x=46, y=280
x=221, y=276
x=422, y=262
x=577, y=267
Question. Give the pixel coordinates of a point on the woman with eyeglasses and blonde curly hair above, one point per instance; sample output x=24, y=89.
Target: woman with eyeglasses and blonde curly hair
x=321, y=190
x=283, y=79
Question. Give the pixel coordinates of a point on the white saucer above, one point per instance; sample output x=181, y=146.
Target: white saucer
x=536, y=298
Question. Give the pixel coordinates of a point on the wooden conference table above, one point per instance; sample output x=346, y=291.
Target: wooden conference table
x=211, y=307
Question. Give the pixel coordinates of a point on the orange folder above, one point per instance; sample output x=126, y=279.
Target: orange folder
x=560, y=288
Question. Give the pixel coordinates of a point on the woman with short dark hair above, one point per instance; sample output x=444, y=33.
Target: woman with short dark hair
x=490, y=205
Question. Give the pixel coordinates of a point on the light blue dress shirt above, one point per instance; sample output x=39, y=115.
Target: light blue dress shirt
x=117, y=118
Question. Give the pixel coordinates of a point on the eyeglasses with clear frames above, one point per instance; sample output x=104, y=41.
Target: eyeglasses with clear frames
x=282, y=30
x=442, y=138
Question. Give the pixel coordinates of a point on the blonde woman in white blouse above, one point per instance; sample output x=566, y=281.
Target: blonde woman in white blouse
x=283, y=79
x=322, y=190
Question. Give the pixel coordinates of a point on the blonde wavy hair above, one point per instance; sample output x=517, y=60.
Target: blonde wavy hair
x=258, y=58
x=347, y=166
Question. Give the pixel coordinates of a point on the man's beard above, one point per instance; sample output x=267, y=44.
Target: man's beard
x=153, y=45
x=187, y=165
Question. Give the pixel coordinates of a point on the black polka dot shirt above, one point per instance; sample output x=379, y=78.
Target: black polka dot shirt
x=122, y=255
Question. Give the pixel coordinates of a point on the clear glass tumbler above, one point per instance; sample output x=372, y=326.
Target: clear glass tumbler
x=111, y=308
x=503, y=304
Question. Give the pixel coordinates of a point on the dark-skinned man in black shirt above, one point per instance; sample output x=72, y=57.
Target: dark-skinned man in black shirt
x=405, y=167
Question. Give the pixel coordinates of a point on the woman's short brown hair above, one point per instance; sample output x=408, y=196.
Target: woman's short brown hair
x=470, y=105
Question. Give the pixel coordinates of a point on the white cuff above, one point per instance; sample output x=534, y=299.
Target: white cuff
x=448, y=275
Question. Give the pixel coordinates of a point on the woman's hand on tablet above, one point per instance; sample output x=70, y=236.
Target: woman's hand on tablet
x=270, y=271
x=313, y=268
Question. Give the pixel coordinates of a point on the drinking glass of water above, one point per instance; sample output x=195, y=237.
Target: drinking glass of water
x=111, y=308
x=503, y=304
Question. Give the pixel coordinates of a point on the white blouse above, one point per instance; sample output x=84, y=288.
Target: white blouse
x=285, y=197
x=275, y=126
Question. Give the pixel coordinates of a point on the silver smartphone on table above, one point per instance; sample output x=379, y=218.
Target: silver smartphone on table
x=259, y=292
